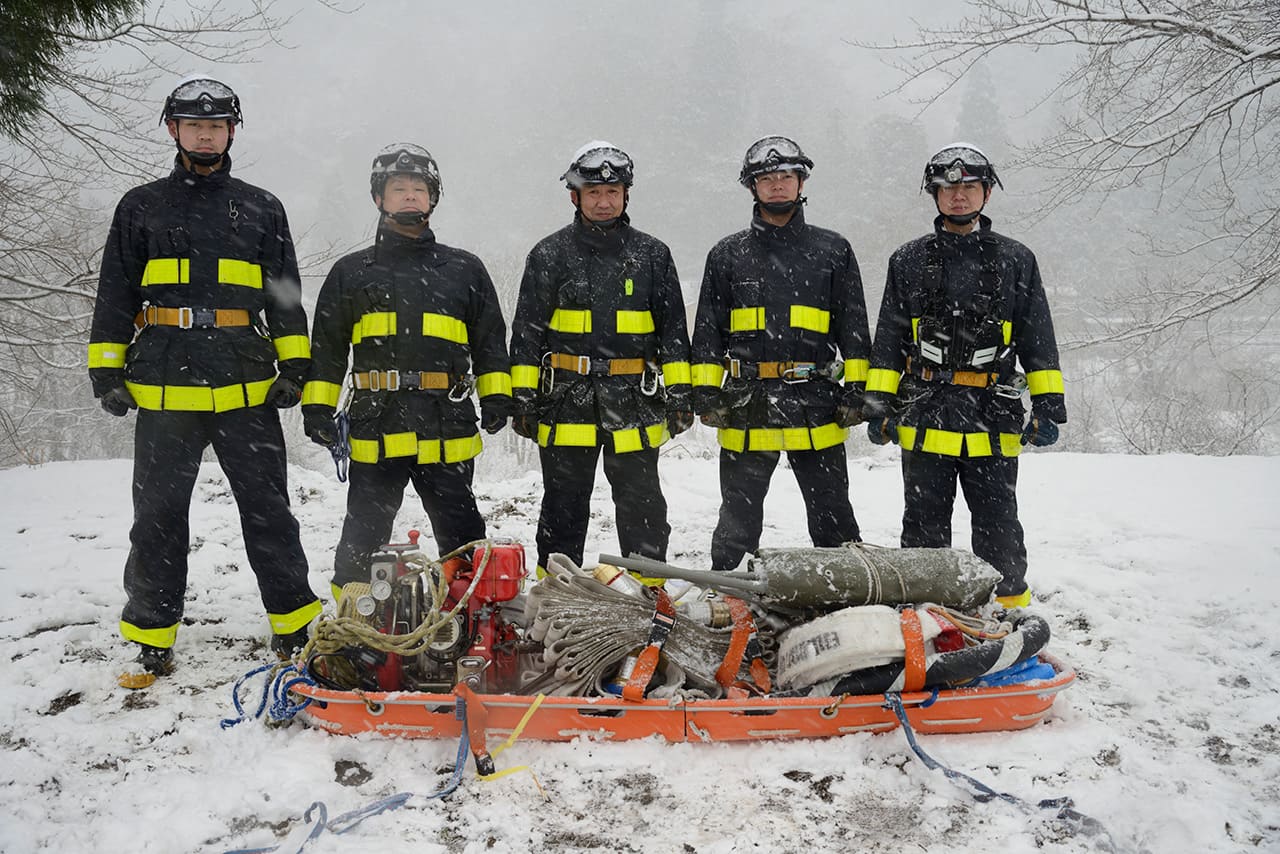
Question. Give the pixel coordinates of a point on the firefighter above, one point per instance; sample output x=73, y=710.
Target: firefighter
x=421, y=324
x=780, y=349
x=199, y=325
x=600, y=362
x=963, y=307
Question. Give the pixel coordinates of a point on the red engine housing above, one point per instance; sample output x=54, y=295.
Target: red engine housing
x=492, y=639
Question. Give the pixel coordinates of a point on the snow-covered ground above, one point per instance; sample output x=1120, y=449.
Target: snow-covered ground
x=1159, y=575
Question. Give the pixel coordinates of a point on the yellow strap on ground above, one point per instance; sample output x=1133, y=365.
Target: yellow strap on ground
x=511, y=739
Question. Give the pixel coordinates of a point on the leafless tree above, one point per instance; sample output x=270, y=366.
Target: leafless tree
x=89, y=136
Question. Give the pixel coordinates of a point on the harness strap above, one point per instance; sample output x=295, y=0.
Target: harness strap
x=396, y=380
x=795, y=371
x=586, y=365
x=913, y=673
x=192, y=318
x=743, y=641
x=664, y=619
x=972, y=379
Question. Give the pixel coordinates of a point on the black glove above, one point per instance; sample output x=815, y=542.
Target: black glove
x=525, y=424
x=318, y=424
x=118, y=401
x=848, y=416
x=1040, y=431
x=284, y=393
x=882, y=431
x=492, y=421
x=678, y=421
x=718, y=417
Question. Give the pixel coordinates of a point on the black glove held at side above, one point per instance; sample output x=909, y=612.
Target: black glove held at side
x=679, y=420
x=491, y=421
x=319, y=427
x=118, y=401
x=882, y=431
x=284, y=393
x=525, y=425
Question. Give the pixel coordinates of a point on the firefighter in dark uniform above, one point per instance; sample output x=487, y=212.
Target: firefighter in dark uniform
x=421, y=323
x=963, y=306
x=780, y=348
x=600, y=361
x=198, y=302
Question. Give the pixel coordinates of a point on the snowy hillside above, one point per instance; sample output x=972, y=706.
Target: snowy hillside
x=1159, y=575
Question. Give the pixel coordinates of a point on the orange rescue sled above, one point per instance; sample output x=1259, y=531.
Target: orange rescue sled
x=431, y=715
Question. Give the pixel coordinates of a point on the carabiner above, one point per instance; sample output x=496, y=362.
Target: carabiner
x=649, y=380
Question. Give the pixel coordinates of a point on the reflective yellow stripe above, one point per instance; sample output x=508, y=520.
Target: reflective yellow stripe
x=284, y=624
x=808, y=317
x=915, y=329
x=374, y=325
x=856, y=370
x=571, y=321
x=1020, y=600
x=978, y=444
x=1010, y=444
x=167, y=271
x=335, y=590
x=183, y=398
x=318, y=391
x=945, y=442
x=675, y=373
x=627, y=440
x=907, y=437
x=107, y=355
x=746, y=319
x=496, y=382
x=1007, y=328
x=783, y=438
x=575, y=435
x=1044, y=382
x=657, y=434
x=635, y=322
x=400, y=445
x=364, y=450
x=444, y=326
x=243, y=273
x=162, y=638
x=292, y=347
x=524, y=376
x=708, y=373
x=882, y=379
x=455, y=450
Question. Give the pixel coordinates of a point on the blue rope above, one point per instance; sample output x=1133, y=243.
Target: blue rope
x=348, y=820
x=1074, y=820
x=275, y=691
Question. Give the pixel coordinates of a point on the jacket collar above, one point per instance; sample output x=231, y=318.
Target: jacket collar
x=187, y=177
x=601, y=239
x=768, y=231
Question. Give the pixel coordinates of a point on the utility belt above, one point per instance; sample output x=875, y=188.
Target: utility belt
x=790, y=372
x=973, y=379
x=192, y=318
x=459, y=385
x=589, y=367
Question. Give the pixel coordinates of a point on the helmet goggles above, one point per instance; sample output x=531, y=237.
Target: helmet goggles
x=773, y=154
x=405, y=158
x=202, y=98
x=605, y=165
x=959, y=165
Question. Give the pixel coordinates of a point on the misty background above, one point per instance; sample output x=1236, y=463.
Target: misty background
x=503, y=92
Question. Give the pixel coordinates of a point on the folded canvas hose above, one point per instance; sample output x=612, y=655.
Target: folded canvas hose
x=837, y=577
x=846, y=640
x=588, y=628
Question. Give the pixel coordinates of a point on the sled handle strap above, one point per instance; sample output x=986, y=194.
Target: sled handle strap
x=744, y=640
x=475, y=718
x=913, y=637
x=664, y=618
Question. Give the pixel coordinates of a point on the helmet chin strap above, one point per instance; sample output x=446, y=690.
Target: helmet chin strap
x=962, y=219
x=782, y=207
x=200, y=158
x=409, y=218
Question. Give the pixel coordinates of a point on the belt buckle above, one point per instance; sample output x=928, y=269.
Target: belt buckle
x=204, y=317
x=733, y=368
x=584, y=365
x=411, y=380
x=798, y=372
x=186, y=317
x=393, y=380
x=375, y=380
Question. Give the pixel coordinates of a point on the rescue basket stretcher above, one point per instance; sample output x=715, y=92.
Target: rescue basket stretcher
x=409, y=714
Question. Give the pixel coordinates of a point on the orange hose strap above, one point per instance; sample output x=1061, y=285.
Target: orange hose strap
x=913, y=637
x=743, y=641
x=664, y=618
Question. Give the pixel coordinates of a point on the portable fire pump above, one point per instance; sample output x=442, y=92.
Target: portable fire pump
x=423, y=625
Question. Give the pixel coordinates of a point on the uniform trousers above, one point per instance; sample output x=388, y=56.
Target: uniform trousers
x=990, y=490
x=823, y=477
x=568, y=475
x=375, y=494
x=167, y=447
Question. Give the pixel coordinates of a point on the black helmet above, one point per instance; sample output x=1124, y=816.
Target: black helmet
x=599, y=162
x=959, y=163
x=202, y=97
x=773, y=154
x=405, y=158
